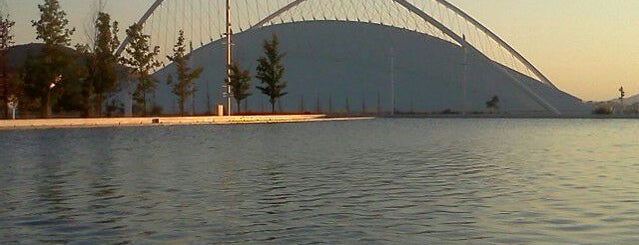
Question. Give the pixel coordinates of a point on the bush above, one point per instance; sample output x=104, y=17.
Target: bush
x=156, y=110
x=114, y=107
x=449, y=112
x=603, y=110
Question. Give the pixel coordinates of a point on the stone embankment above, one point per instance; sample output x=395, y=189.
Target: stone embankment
x=156, y=121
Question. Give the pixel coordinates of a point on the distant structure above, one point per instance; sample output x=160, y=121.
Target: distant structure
x=622, y=95
x=417, y=56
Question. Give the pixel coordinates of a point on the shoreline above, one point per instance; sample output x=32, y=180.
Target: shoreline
x=56, y=123
x=513, y=116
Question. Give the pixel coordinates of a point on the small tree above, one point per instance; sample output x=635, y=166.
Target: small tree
x=270, y=72
x=88, y=71
x=493, y=103
x=6, y=37
x=240, y=84
x=183, y=87
x=52, y=29
x=106, y=42
x=6, y=40
x=141, y=60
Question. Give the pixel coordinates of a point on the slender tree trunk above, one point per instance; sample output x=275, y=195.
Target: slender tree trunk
x=239, y=103
x=88, y=105
x=144, y=103
x=181, y=102
x=5, y=85
x=5, y=96
x=272, y=107
x=99, y=100
x=193, y=104
x=45, y=104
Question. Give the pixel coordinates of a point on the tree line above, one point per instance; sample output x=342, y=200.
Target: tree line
x=84, y=79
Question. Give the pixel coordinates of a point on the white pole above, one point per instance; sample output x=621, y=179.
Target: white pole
x=622, y=95
x=392, y=79
x=463, y=80
x=228, y=57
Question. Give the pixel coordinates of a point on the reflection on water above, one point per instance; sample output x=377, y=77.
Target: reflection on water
x=380, y=181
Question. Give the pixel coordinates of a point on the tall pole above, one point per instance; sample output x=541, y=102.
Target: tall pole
x=392, y=79
x=192, y=94
x=228, y=57
x=622, y=94
x=463, y=80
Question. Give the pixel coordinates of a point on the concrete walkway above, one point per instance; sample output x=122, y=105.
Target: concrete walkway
x=150, y=121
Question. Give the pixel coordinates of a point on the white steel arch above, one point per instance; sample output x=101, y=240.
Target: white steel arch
x=497, y=39
x=460, y=40
x=142, y=20
x=428, y=19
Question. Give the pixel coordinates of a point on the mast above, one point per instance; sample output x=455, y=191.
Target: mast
x=622, y=94
x=463, y=80
x=392, y=79
x=227, y=93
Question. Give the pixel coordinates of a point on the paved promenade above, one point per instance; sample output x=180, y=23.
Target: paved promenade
x=156, y=121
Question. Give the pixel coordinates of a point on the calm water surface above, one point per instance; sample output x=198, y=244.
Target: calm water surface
x=465, y=181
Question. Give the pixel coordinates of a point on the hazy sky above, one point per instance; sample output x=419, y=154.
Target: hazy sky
x=586, y=47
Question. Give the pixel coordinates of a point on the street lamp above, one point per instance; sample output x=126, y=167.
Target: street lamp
x=55, y=82
x=13, y=105
x=229, y=33
x=622, y=95
x=51, y=86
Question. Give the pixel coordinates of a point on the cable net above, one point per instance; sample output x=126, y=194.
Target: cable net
x=203, y=22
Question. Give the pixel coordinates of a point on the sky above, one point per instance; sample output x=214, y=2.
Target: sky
x=588, y=48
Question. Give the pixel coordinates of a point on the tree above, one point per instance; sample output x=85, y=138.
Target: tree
x=183, y=87
x=88, y=72
x=6, y=37
x=52, y=29
x=141, y=60
x=270, y=72
x=69, y=93
x=6, y=40
x=106, y=42
x=100, y=76
x=240, y=84
x=493, y=103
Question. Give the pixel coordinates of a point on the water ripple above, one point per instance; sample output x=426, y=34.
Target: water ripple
x=387, y=181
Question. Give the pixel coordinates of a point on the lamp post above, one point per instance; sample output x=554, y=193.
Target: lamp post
x=464, y=74
x=622, y=95
x=392, y=79
x=227, y=93
x=51, y=86
x=12, y=104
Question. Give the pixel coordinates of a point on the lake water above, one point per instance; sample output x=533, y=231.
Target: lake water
x=384, y=181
